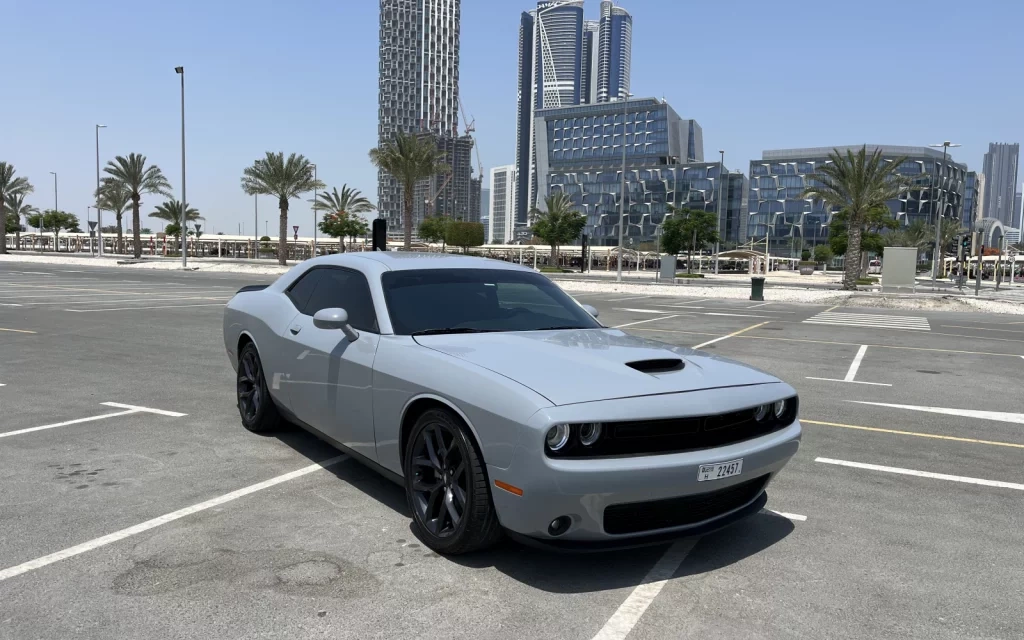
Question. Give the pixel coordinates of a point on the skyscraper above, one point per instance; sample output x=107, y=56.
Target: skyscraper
x=1000, y=168
x=419, y=94
x=501, y=220
x=559, y=55
x=616, y=43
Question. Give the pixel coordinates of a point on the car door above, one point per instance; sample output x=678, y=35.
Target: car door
x=329, y=386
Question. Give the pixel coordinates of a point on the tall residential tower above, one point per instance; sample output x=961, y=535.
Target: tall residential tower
x=1000, y=169
x=419, y=94
x=564, y=61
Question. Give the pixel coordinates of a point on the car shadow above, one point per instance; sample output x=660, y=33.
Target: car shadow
x=561, y=571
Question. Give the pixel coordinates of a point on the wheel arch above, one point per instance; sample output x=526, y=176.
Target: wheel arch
x=420, y=404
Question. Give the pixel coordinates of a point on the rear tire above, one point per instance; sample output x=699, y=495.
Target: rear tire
x=446, y=486
x=255, y=406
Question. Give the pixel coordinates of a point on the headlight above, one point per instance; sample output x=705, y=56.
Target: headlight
x=779, y=408
x=761, y=412
x=558, y=436
x=589, y=433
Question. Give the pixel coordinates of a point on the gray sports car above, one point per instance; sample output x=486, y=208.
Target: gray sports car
x=503, y=406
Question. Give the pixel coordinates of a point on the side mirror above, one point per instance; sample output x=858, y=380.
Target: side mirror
x=591, y=310
x=334, y=318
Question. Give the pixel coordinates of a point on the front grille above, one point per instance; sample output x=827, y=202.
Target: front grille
x=636, y=517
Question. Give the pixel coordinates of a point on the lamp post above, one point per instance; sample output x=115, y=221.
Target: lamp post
x=99, y=214
x=937, y=253
x=54, y=174
x=255, y=227
x=184, y=207
x=314, y=210
x=718, y=218
x=88, y=223
x=622, y=194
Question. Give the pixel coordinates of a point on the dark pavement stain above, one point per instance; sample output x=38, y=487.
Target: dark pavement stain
x=287, y=571
x=929, y=371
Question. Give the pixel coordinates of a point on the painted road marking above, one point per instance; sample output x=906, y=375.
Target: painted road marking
x=630, y=324
x=640, y=310
x=128, y=409
x=734, y=315
x=17, y=330
x=923, y=474
x=796, y=517
x=759, y=305
x=870, y=320
x=731, y=335
x=8, y=304
x=852, y=373
x=175, y=306
x=96, y=543
x=629, y=298
x=993, y=443
x=149, y=299
x=957, y=326
x=630, y=611
x=998, y=416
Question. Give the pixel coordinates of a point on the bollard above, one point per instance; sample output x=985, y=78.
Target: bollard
x=757, y=289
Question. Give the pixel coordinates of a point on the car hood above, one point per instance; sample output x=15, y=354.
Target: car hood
x=585, y=365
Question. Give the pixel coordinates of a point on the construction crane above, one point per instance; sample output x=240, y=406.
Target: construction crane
x=471, y=128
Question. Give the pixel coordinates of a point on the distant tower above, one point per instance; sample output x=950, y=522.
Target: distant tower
x=1000, y=168
x=418, y=83
x=615, y=48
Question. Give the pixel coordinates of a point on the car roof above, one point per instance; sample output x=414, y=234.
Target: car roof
x=406, y=260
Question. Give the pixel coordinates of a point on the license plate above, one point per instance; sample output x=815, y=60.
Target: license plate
x=719, y=470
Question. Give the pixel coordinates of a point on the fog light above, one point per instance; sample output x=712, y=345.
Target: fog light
x=589, y=433
x=761, y=412
x=780, y=408
x=558, y=436
x=559, y=525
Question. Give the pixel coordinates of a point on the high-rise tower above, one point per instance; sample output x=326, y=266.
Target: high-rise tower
x=615, y=48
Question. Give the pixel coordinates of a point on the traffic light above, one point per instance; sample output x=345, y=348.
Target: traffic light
x=380, y=234
x=965, y=243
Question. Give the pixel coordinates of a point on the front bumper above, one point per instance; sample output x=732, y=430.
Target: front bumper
x=582, y=489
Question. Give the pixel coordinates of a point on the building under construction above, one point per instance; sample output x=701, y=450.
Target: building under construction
x=455, y=193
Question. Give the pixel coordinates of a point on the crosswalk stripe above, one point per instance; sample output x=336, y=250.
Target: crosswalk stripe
x=873, y=321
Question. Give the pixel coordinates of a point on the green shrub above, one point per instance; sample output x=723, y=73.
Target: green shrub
x=867, y=281
x=689, y=275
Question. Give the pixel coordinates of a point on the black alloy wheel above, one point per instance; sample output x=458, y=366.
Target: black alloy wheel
x=447, y=487
x=254, y=403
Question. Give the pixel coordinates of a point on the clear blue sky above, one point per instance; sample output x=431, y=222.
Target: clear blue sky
x=302, y=76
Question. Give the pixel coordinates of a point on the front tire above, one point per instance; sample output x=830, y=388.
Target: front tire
x=446, y=486
x=255, y=406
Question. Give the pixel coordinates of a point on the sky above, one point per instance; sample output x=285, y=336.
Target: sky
x=301, y=77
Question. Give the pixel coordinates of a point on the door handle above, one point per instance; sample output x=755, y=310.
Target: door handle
x=295, y=329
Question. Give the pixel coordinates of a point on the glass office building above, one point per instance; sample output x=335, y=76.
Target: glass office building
x=580, y=154
x=969, y=212
x=790, y=223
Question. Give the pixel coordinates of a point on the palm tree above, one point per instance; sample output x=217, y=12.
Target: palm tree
x=15, y=206
x=560, y=224
x=114, y=196
x=855, y=183
x=408, y=159
x=137, y=179
x=349, y=201
x=171, y=212
x=9, y=186
x=283, y=179
x=916, y=234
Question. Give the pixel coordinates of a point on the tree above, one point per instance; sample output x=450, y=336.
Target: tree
x=17, y=210
x=408, y=159
x=690, y=229
x=917, y=234
x=9, y=186
x=273, y=175
x=465, y=234
x=856, y=184
x=342, y=225
x=822, y=253
x=434, y=229
x=559, y=224
x=137, y=179
x=876, y=220
x=114, y=196
x=54, y=222
x=171, y=212
x=174, y=230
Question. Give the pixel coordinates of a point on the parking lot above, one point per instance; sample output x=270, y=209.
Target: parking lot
x=134, y=505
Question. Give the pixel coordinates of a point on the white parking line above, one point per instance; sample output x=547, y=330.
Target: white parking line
x=754, y=306
x=735, y=315
x=640, y=310
x=734, y=333
x=796, y=517
x=159, y=412
x=630, y=324
x=630, y=298
x=852, y=372
x=923, y=474
x=147, y=299
x=175, y=306
x=96, y=543
x=630, y=611
x=103, y=416
x=998, y=416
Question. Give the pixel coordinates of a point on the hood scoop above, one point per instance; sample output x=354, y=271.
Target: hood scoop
x=660, y=365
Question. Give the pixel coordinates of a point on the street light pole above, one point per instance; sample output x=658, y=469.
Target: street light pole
x=255, y=227
x=99, y=214
x=937, y=253
x=622, y=194
x=54, y=174
x=184, y=206
x=721, y=186
x=314, y=211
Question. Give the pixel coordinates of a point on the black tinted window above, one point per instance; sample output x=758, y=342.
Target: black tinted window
x=479, y=299
x=346, y=290
x=303, y=288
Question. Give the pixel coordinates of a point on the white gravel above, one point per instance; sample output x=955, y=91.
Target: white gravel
x=194, y=264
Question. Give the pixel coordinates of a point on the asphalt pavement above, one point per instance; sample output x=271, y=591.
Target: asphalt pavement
x=134, y=505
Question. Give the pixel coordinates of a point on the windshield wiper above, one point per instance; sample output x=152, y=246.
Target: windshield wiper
x=435, y=332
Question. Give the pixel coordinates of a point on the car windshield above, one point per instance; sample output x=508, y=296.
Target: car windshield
x=472, y=300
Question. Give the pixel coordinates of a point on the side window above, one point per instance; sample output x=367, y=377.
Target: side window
x=300, y=291
x=347, y=290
